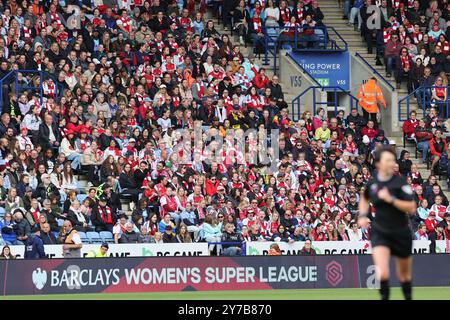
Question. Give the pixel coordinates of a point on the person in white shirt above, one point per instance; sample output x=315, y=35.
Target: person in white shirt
x=24, y=139
x=354, y=233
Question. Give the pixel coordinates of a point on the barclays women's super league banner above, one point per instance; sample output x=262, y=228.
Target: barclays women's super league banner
x=158, y=274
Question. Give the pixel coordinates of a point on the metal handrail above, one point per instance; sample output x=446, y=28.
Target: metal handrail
x=335, y=89
x=423, y=100
x=297, y=37
x=375, y=71
x=272, y=41
x=58, y=87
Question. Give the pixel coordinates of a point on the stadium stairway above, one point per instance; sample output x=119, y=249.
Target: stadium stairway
x=334, y=18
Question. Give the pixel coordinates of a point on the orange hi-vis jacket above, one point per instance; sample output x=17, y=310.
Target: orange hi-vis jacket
x=368, y=96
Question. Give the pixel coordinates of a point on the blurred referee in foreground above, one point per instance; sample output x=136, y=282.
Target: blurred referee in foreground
x=391, y=233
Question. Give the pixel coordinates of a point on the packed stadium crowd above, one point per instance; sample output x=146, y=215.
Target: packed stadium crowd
x=411, y=39
x=153, y=106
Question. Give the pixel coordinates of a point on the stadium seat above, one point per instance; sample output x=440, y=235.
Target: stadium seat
x=81, y=197
x=60, y=222
x=84, y=237
x=107, y=236
x=56, y=234
x=94, y=237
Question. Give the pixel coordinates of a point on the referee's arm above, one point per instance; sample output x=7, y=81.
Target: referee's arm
x=363, y=219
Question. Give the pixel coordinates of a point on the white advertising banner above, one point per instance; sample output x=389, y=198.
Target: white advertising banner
x=130, y=250
x=332, y=247
x=252, y=248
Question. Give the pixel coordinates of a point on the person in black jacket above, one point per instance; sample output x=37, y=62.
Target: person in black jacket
x=46, y=189
x=169, y=236
x=404, y=163
x=231, y=237
x=206, y=112
x=34, y=247
x=128, y=184
x=102, y=217
x=288, y=221
x=49, y=135
x=130, y=236
x=437, y=234
x=12, y=108
x=22, y=228
x=365, y=31
x=315, y=12
x=277, y=92
x=281, y=235
x=141, y=173
x=46, y=235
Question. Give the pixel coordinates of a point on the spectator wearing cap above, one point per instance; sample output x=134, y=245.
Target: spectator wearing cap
x=435, y=235
x=378, y=139
x=103, y=217
x=169, y=235
x=431, y=222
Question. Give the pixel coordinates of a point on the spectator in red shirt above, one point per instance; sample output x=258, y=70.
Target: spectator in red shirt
x=369, y=130
x=437, y=147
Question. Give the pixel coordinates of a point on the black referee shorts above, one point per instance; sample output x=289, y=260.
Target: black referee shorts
x=400, y=244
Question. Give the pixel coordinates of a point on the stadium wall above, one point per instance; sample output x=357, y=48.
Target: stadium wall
x=124, y=275
x=294, y=77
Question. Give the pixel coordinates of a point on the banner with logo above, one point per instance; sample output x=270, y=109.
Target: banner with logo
x=329, y=69
x=159, y=274
x=332, y=247
x=129, y=250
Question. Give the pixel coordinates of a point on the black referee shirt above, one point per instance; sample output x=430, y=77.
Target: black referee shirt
x=387, y=217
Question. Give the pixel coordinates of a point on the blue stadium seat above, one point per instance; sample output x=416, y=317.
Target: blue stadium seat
x=107, y=236
x=60, y=222
x=56, y=234
x=84, y=237
x=94, y=237
x=81, y=197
